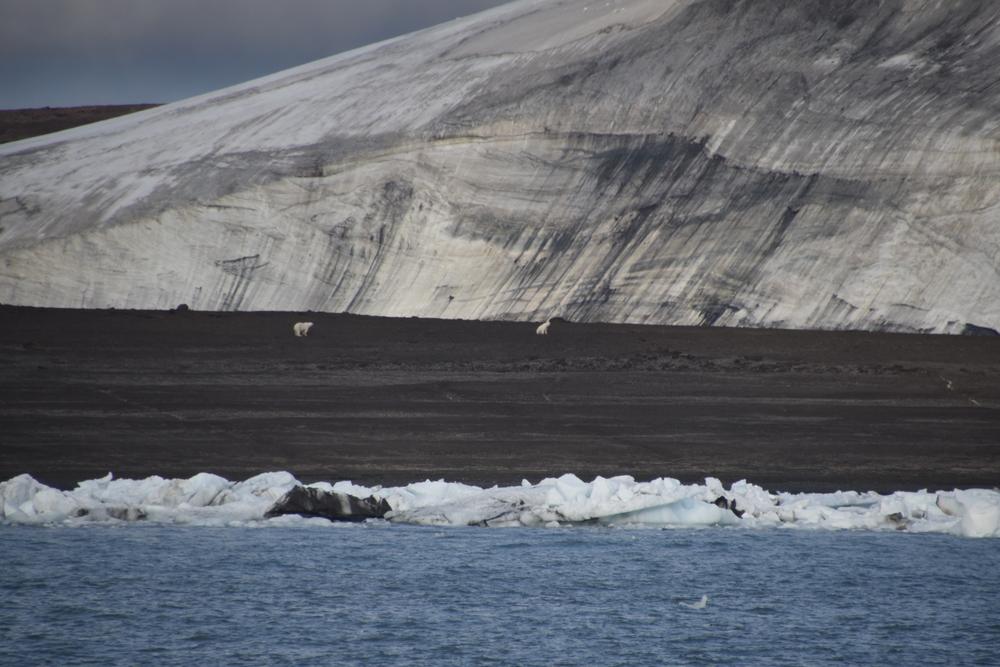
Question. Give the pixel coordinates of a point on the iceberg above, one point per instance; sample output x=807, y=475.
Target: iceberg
x=622, y=502
x=978, y=511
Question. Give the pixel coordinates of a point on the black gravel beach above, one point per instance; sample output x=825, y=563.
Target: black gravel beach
x=390, y=401
x=16, y=124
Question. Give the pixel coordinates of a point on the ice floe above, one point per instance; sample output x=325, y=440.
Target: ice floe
x=207, y=499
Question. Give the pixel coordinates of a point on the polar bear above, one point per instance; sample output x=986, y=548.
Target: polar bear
x=302, y=328
x=543, y=328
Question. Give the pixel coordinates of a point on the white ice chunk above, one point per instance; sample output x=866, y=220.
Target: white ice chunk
x=700, y=604
x=17, y=491
x=53, y=503
x=684, y=512
x=977, y=509
x=352, y=489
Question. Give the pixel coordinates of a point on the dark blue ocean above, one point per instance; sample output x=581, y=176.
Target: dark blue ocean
x=398, y=595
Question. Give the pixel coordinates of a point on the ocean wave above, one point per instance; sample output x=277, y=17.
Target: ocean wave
x=208, y=499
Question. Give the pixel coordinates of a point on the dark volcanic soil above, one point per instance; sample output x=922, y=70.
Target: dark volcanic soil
x=381, y=400
x=18, y=124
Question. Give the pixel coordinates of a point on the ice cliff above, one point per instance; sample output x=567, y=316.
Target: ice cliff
x=816, y=163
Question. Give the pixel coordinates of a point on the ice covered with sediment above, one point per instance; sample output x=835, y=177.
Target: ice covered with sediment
x=632, y=161
x=207, y=499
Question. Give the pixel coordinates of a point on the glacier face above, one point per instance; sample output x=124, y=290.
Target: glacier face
x=809, y=164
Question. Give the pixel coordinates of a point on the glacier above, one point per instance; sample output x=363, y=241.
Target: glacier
x=622, y=502
x=805, y=165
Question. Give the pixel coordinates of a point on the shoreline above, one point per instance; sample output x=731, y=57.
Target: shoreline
x=392, y=401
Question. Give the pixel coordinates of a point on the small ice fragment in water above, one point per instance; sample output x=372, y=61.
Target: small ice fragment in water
x=700, y=604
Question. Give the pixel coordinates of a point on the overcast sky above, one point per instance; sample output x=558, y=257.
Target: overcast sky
x=79, y=52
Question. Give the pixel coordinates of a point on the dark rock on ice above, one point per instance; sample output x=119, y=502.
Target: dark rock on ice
x=976, y=330
x=726, y=504
x=306, y=501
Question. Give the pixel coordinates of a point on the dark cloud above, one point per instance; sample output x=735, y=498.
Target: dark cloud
x=73, y=52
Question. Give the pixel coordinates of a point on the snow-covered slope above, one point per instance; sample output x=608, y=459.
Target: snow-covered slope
x=815, y=163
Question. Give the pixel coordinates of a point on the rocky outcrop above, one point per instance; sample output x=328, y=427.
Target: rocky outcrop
x=816, y=163
x=310, y=502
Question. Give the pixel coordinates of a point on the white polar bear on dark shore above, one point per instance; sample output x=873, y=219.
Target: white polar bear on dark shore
x=302, y=328
x=543, y=328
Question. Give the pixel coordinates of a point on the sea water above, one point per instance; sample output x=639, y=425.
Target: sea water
x=387, y=594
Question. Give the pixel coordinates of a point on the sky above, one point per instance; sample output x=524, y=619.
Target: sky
x=83, y=52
